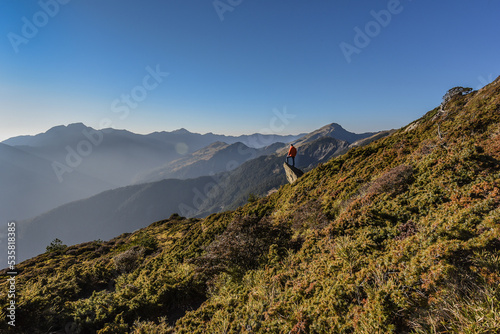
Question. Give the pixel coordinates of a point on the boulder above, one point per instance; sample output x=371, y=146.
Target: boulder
x=292, y=173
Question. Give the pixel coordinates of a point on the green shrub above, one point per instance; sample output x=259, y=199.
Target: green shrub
x=55, y=245
x=252, y=198
x=150, y=327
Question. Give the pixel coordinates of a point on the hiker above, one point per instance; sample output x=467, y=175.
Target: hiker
x=292, y=152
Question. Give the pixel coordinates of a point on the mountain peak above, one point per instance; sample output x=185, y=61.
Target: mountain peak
x=72, y=129
x=334, y=130
x=181, y=131
x=333, y=126
x=78, y=125
x=71, y=126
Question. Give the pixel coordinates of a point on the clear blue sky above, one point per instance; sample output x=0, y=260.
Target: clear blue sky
x=228, y=70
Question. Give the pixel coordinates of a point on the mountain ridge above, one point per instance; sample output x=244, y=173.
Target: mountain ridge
x=76, y=161
x=336, y=131
x=215, y=158
x=75, y=129
x=96, y=216
x=399, y=236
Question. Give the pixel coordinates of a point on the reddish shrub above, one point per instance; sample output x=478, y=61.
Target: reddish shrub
x=406, y=230
x=394, y=181
x=241, y=246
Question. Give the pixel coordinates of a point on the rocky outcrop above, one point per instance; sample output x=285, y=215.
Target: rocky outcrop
x=292, y=173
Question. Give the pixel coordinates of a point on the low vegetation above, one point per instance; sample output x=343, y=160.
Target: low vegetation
x=400, y=236
x=55, y=245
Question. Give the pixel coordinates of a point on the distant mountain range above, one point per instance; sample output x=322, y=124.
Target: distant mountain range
x=29, y=185
x=189, y=141
x=215, y=178
x=214, y=158
x=117, y=156
x=67, y=163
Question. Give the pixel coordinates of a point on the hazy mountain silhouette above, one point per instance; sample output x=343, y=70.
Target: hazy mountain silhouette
x=111, y=155
x=126, y=209
x=196, y=141
x=118, y=156
x=72, y=162
x=214, y=158
x=29, y=185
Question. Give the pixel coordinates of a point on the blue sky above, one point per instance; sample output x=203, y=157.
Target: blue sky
x=231, y=69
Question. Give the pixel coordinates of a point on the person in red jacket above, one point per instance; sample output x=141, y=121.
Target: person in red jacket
x=292, y=152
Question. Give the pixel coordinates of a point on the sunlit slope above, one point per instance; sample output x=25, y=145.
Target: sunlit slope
x=399, y=236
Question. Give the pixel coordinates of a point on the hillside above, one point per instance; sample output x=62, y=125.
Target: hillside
x=126, y=209
x=400, y=236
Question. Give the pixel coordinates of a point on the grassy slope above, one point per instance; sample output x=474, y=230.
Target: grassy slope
x=400, y=236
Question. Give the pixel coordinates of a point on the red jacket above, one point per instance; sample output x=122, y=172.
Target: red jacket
x=292, y=151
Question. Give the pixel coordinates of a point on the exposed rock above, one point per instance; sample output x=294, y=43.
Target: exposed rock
x=292, y=173
x=412, y=126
